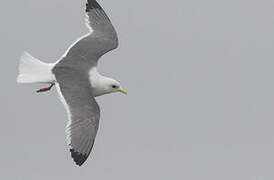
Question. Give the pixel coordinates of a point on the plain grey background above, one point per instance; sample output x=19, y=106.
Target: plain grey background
x=200, y=80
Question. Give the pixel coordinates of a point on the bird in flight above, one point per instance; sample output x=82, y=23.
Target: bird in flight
x=77, y=80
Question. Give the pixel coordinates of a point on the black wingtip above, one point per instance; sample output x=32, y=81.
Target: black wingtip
x=78, y=158
x=92, y=4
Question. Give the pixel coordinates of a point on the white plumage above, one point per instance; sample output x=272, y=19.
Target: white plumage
x=32, y=70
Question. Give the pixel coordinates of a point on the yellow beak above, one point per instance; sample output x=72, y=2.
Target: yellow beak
x=123, y=91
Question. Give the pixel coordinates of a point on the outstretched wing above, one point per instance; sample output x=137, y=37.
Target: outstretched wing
x=101, y=39
x=83, y=111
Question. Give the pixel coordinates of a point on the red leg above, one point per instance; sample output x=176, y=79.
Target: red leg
x=45, y=89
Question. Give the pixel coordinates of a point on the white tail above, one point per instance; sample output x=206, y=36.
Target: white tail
x=32, y=70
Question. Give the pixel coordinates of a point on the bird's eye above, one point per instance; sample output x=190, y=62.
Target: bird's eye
x=114, y=86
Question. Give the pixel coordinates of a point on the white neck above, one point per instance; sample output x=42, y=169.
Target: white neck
x=97, y=82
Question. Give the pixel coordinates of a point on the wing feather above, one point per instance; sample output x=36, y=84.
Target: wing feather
x=102, y=38
x=83, y=111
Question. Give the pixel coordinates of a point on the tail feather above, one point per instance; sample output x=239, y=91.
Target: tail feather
x=32, y=70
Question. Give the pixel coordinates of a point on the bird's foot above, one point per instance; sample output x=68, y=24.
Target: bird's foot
x=45, y=89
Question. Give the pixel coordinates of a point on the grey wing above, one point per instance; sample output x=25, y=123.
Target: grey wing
x=84, y=113
x=102, y=38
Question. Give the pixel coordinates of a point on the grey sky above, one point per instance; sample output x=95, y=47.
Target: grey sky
x=201, y=93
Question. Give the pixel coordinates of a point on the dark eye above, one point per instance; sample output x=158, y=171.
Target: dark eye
x=114, y=86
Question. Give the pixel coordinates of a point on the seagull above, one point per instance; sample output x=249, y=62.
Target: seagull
x=77, y=80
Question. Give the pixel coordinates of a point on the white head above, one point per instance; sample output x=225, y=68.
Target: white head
x=109, y=85
x=103, y=85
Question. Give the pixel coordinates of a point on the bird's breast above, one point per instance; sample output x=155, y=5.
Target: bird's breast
x=95, y=82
